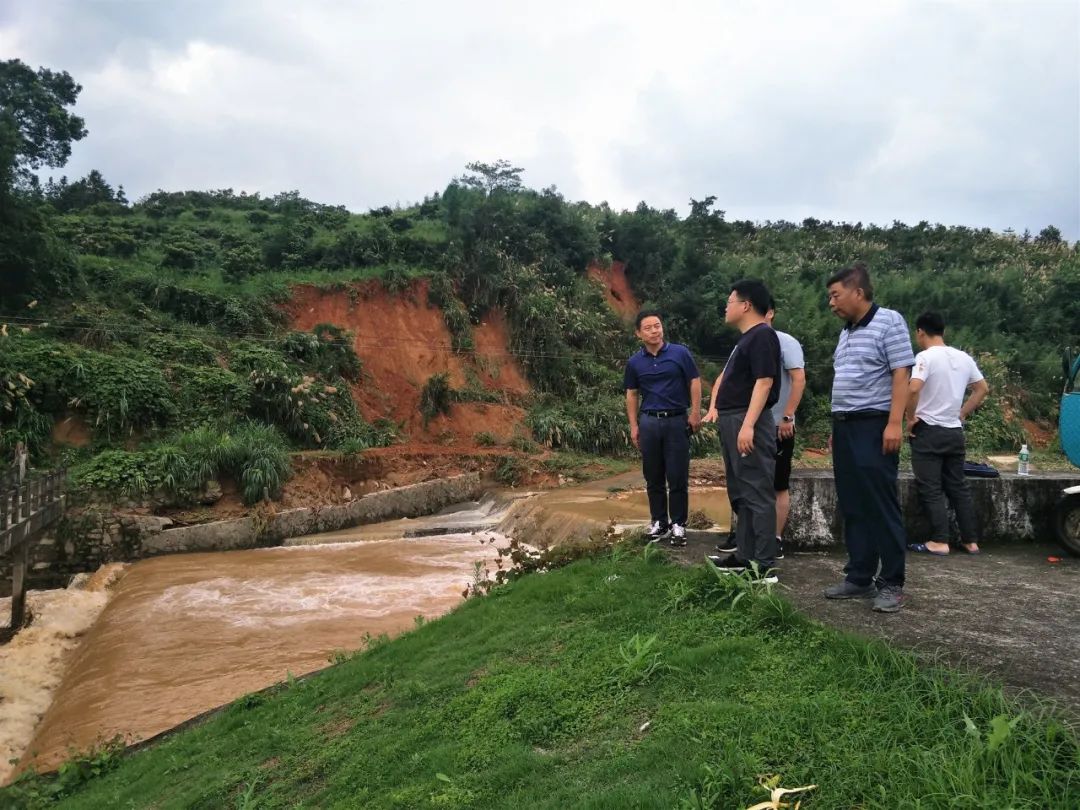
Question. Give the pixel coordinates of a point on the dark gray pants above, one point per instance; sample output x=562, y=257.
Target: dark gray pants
x=665, y=463
x=750, y=486
x=937, y=459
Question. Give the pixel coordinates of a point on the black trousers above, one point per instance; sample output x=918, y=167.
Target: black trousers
x=750, y=488
x=665, y=462
x=937, y=459
x=868, y=500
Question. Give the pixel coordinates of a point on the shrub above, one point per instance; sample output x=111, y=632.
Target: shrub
x=511, y=471
x=253, y=455
x=240, y=262
x=326, y=349
x=436, y=397
x=596, y=426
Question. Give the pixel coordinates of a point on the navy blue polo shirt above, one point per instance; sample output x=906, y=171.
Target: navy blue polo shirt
x=663, y=380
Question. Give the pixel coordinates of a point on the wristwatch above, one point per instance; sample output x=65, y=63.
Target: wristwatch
x=787, y=418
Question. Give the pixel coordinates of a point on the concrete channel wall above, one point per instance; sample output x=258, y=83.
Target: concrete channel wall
x=403, y=502
x=1012, y=508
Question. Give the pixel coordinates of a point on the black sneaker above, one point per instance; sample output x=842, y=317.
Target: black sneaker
x=727, y=546
x=656, y=532
x=779, y=549
x=678, y=535
x=729, y=564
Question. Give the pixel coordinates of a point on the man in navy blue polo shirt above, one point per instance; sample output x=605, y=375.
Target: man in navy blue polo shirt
x=663, y=381
x=872, y=361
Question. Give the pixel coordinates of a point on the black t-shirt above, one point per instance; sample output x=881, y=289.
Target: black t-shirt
x=756, y=355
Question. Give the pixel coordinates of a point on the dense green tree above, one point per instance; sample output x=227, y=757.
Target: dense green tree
x=36, y=130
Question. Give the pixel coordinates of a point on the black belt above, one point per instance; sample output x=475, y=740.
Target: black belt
x=851, y=416
x=665, y=414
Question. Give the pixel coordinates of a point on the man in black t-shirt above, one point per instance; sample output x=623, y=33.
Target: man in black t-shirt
x=749, y=387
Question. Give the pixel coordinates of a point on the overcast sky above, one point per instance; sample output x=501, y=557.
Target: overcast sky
x=955, y=112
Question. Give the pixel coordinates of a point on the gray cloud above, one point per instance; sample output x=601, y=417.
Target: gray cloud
x=961, y=112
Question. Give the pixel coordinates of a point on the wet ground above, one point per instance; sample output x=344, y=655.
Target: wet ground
x=1009, y=612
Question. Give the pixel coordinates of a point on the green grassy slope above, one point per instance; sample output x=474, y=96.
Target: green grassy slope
x=619, y=682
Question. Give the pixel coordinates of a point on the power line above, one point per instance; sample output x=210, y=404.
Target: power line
x=382, y=343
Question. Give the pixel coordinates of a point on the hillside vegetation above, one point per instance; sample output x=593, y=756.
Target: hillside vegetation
x=161, y=323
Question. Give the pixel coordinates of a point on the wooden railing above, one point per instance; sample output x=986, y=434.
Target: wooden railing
x=29, y=504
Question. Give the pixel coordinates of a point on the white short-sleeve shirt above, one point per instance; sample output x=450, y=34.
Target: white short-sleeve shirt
x=946, y=373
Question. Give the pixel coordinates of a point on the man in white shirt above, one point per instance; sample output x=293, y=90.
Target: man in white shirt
x=936, y=411
x=792, y=385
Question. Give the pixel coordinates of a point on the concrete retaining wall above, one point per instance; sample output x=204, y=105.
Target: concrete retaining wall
x=250, y=532
x=1009, y=509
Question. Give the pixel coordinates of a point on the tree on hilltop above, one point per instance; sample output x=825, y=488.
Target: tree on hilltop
x=491, y=177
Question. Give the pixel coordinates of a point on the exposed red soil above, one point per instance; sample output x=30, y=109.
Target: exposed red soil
x=402, y=341
x=616, y=289
x=1039, y=434
x=467, y=419
x=72, y=432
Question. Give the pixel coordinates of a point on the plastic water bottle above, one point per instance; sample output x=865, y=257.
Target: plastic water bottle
x=1022, y=463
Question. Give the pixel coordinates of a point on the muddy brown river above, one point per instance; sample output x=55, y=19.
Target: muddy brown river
x=183, y=634
x=186, y=633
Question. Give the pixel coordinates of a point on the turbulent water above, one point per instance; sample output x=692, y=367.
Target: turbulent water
x=33, y=663
x=186, y=633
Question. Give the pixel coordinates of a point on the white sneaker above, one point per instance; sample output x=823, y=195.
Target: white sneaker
x=656, y=532
x=678, y=535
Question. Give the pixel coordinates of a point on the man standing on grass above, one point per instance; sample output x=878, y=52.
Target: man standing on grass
x=792, y=385
x=663, y=381
x=872, y=360
x=749, y=386
x=935, y=415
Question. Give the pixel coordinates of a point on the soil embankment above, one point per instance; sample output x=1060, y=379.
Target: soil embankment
x=402, y=341
x=616, y=288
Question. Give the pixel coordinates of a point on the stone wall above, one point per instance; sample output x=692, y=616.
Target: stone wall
x=1009, y=509
x=94, y=536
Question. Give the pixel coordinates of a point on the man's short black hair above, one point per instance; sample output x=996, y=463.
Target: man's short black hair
x=772, y=303
x=754, y=291
x=646, y=313
x=932, y=323
x=857, y=275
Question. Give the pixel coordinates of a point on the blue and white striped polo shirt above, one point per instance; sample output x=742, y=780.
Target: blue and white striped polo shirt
x=865, y=357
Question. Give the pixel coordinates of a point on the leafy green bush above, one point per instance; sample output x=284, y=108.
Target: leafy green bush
x=179, y=349
x=253, y=455
x=326, y=350
x=511, y=471
x=436, y=396
x=132, y=473
x=206, y=393
x=598, y=426
x=240, y=262
x=441, y=294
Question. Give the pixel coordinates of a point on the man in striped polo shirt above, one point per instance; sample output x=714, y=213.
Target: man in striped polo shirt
x=872, y=361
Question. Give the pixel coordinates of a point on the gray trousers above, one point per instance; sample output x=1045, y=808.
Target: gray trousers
x=750, y=486
x=937, y=460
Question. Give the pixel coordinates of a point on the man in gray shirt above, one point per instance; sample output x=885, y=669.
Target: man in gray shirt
x=792, y=385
